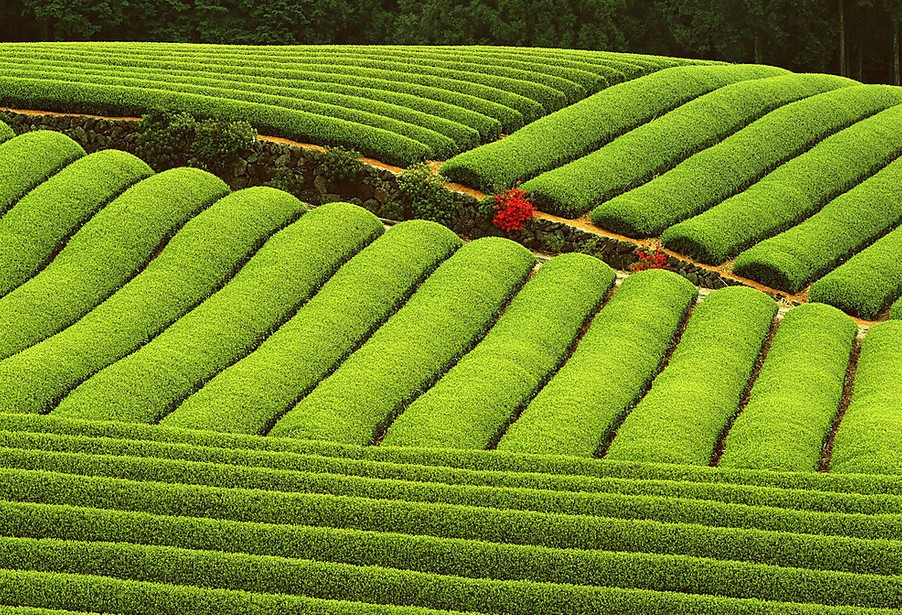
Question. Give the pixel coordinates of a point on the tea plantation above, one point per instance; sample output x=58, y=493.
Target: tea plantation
x=218, y=401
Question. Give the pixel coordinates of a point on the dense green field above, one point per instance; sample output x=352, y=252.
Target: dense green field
x=221, y=402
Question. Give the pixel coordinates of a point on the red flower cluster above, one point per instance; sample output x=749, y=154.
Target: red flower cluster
x=512, y=209
x=650, y=258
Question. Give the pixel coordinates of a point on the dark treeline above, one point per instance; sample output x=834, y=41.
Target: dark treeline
x=858, y=38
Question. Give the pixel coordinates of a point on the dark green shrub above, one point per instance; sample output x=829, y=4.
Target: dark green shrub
x=425, y=193
x=340, y=164
x=167, y=140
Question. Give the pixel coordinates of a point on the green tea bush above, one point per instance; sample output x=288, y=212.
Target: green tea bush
x=797, y=394
x=651, y=149
x=867, y=283
x=196, y=262
x=587, y=125
x=480, y=395
x=699, y=183
x=105, y=253
x=251, y=394
x=6, y=133
x=792, y=192
x=846, y=225
x=692, y=401
x=870, y=433
x=340, y=164
x=612, y=367
x=28, y=160
x=38, y=226
x=441, y=322
x=289, y=269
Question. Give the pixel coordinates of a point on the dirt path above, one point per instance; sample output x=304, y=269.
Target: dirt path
x=583, y=223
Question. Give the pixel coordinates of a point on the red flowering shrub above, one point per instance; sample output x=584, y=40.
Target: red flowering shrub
x=650, y=258
x=512, y=209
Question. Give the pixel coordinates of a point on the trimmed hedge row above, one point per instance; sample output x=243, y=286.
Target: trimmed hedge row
x=846, y=225
x=797, y=394
x=251, y=395
x=85, y=97
x=103, y=255
x=282, y=275
x=574, y=188
x=587, y=125
x=142, y=598
x=870, y=435
x=442, y=321
x=320, y=580
x=692, y=401
x=198, y=260
x=699, y=182
x=896, y=311
x=263, y=466
x=461, y=558
x=525, y=96
x=510, y=105
x=38, y=226
x=611, y=368
x=799, y=540
x=867, y=283
x=28, y=160
x=792, y=192
x=304, y=489
x=471, y=405
x=442, y=137
x=536, y=470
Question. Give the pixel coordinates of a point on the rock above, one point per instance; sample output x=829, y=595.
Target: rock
x=79, y=134
x=381, y=195
x=371, y=204
x=331, y=198
x=238, y=168
x=321, y=184
x=283, y=160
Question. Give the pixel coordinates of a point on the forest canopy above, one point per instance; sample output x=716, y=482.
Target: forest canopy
x=858, y=38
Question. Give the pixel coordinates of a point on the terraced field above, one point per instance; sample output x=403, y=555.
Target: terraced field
x=217, y=402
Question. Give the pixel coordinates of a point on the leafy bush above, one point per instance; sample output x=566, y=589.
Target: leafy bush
x=650, y=258
x=28, y=160
x=473, y=402
x=199, y=259
x=511, y=210
x=339, y=164
x=104, y=254
x=38, y=226
x=797, y=394
x=612, y=367
x=167, y=140
x=691, y=402
x=289, y=269
x=424, y=193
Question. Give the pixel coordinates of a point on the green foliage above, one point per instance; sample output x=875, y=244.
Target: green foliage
x=896, y=311
x=340, y=164
x=589, y=124
x=867, y=283
x=792, y=192
x=199, y=259
x=442, y=321
x=699, y=183
x=846, y=225
x=652, y=148
x=282, y=275
x=168, y=140
x=797, y=394
x=692, y=401
x=28, y=160
x=38, y=226
x=103, y=255
x=6, y=133
x=425, y=194
x=479, y=396
x=868, y=437
x=612, y=367
x=362, y=295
